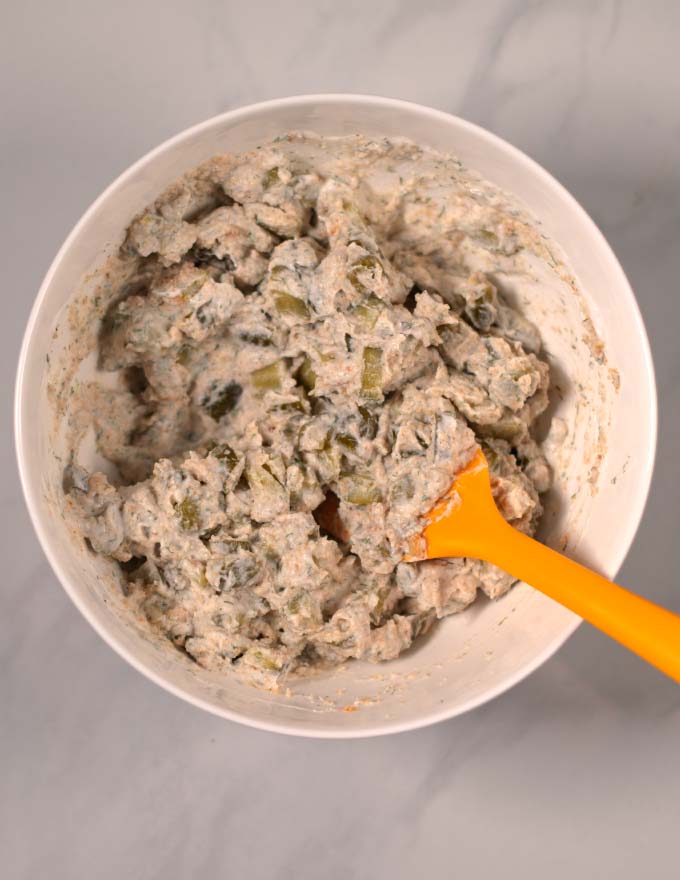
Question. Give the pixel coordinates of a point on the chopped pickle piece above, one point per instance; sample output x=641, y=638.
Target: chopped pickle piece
x=487, y=236
x=262, y=478
x=271, y=177
x=286, y=304
x=403, y=489
x=305, y=609
x=306, y=375
x=368, y=262
x=346, y=440
x=363, y=490
x=239, y=573
x=491, y=457
x=365, y=264
x=295, y=605
x=195, y=286
x=371, y=374
x=378, y=608
x=187, y=511
x=506, y=428
x=329, y=456
x=267, y=378
x=368, y=311
x=263, y=659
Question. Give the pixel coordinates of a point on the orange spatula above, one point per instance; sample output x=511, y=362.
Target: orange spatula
x=466, y=522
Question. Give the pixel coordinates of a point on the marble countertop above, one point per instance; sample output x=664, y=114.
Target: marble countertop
x=573, y=773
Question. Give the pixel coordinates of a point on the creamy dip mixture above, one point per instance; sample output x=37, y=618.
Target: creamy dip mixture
x=317, y=318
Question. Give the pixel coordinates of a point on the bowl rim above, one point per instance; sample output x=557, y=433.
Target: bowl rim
x=31, y=485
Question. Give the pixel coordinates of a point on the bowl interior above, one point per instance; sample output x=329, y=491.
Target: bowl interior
x=602, y=450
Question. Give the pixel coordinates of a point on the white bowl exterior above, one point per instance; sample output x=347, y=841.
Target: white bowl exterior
x=470, y=658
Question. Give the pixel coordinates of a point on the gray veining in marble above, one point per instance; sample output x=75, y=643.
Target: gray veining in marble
x=575, y=772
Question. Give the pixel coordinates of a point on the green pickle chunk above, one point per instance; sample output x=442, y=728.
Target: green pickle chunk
x=267, y=378
x=371, y=374
x=306, y=375
x=263, y=659
x=368, y=265
x=346, y=440
x=287, y=304
x=271, y=177
x=363, y=490
x=187, y=511
x=368, y=312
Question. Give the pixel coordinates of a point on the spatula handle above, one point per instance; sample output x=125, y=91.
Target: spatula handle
x=647, y=629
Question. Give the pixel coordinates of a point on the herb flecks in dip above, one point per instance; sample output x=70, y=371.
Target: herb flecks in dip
x=317, y=316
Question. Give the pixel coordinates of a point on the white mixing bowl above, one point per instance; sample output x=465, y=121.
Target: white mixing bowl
x=603, y=465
